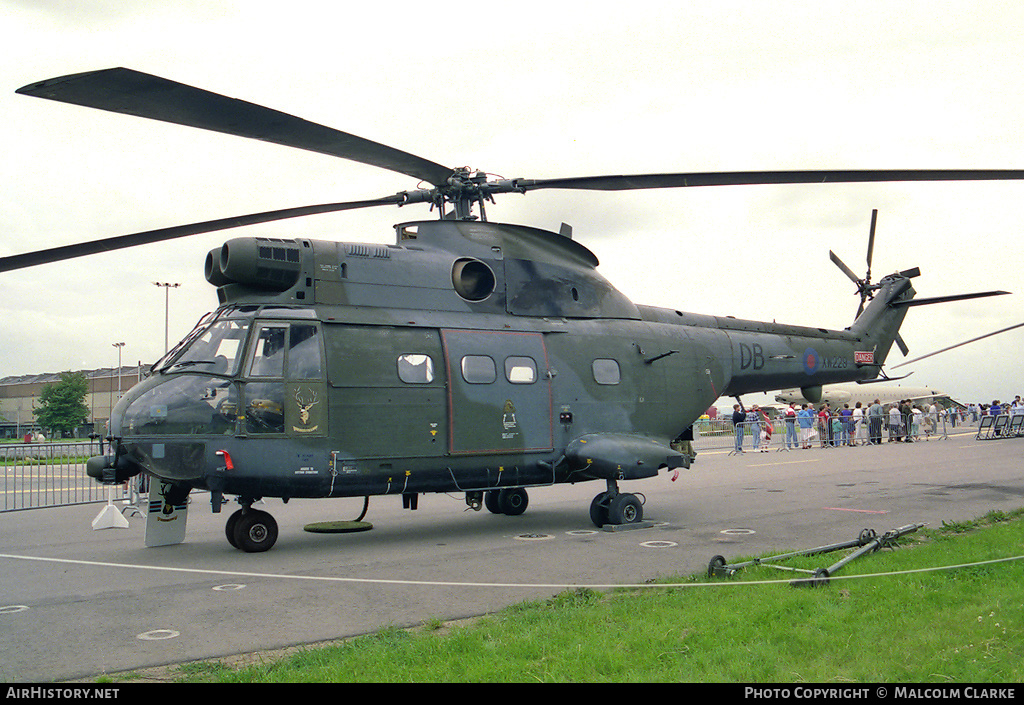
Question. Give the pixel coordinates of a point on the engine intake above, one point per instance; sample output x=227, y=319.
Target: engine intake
x=267, y=263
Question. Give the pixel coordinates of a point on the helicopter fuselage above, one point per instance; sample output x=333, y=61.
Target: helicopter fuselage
x=468, y=357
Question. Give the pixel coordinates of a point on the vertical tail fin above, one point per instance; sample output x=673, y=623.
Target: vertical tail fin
x=879, y=322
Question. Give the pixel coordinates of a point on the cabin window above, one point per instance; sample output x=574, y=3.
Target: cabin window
x=478, y=369
x=606, y=371
x=520, y=370
x=415, y=369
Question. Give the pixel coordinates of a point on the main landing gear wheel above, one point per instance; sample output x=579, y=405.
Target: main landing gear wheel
x=611, y=508
x=251, y=530
x=511, y=501
x=599, y=510
x=625, y=509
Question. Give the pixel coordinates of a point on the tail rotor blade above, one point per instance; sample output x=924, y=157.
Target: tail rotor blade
x=846, y=270
x=902, y=345
x=871, y=243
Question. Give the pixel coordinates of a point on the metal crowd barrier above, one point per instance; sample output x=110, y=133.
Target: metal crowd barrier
x=720, y=434
x=37, y=475
x=1002, y=426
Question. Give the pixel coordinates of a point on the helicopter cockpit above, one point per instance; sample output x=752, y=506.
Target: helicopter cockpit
x=198, y=387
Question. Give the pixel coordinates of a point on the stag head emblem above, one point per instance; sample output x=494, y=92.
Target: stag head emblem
x=305, y=405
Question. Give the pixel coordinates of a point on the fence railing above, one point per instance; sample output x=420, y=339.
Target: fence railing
x=48, y=475
x=720, y=434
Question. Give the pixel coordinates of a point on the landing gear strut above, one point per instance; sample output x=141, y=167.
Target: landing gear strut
x=614, y=507
x=251, y=530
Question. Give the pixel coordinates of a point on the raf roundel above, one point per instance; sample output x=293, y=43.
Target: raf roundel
x=811, y=361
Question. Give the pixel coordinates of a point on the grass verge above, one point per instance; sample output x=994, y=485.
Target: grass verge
x=886, y=617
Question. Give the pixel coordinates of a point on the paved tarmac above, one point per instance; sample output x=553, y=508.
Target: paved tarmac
x=77, y=603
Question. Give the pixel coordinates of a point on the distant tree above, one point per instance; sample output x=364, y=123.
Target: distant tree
x=62, y=404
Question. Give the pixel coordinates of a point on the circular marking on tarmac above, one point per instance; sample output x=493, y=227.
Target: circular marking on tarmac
x=12, y=609
x=229, y=586
x=533, y=537
x=738, y=532
x=582, y=532
x=158, y=634
x=659, y=544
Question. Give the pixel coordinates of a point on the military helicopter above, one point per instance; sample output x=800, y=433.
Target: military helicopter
x=469, y=357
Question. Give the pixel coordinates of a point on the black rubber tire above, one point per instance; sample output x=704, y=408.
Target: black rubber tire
x=625, y=508
x=513, y=501
x=229, y=528
x=491, y=501
x=599, y=510
x=255, y=531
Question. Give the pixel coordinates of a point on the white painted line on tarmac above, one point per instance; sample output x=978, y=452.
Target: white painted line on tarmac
x=329, y=579
x=786, y=462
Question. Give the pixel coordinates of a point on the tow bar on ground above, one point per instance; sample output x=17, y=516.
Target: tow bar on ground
x=867, y=542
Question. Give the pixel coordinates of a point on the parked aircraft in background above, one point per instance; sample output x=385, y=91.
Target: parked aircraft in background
x=839, y=394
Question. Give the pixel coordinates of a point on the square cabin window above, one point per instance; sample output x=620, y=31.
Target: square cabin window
x=606, y=371
x=520, y=370
x=478, y=369
x=415, y=369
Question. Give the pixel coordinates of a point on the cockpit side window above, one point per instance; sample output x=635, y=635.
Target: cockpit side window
x=281, y=356
x=304, y=352
x=283, y=350
x=268, y=351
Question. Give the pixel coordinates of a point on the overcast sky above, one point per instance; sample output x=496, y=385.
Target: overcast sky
x=535, y=90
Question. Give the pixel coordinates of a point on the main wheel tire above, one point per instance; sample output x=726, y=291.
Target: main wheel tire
x=255, y=531
x=513, y=501
x=599, y=510
x=491, y=501
x=625, y=509
x=229, y=528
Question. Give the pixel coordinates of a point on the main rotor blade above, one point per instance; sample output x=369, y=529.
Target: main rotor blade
x=747, y=178
x=945, y=299
x=131, y=92
x=951, y=347
x=56, y=254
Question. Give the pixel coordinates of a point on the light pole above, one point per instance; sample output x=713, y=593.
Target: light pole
x=167, y=303
x=118, y=346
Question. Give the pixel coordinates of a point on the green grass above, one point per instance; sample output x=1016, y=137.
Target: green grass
x=946, y=626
